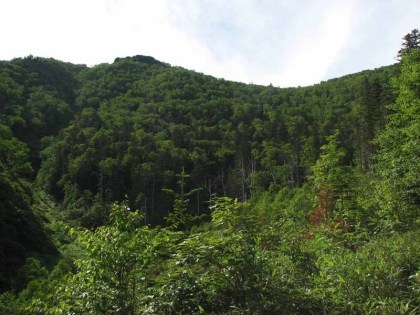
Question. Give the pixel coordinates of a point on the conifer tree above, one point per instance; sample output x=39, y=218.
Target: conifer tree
x=399, y=156
x=411, y=42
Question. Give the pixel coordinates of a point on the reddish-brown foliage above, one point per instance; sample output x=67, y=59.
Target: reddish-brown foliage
x=326, y=204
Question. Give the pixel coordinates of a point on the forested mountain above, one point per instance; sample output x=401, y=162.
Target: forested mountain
x=247, y=198
x=136, y=123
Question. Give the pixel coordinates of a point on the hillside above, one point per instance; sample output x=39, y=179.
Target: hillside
x=129, y=127
x=279, y=193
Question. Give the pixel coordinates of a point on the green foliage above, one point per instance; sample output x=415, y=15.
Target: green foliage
x=138, y=122
x=37, y=296
x=21, y=232
x=36, y=99
x=411, y=42
x=215, y=270
x=244, y=260
x=179, y=218
x=379, y=277
x=183, y=147
x=30, y=271
x=329, y=173
x=399, y=155
x=111, y=276
x=13, y=153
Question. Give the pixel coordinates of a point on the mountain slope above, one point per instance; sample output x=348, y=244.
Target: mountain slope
x=139, y=123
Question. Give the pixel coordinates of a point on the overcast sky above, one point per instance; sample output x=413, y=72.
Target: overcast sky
x=282, y=42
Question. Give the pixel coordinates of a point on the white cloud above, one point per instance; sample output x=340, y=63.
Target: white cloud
x=275, y=43
x=311, y=57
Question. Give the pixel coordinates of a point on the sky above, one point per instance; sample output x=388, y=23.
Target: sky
x=280, y=42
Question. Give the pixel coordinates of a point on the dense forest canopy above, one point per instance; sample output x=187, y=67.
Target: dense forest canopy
x=137, y=187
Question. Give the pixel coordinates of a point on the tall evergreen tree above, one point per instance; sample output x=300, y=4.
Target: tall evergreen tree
x=399, y=156
x=411, y=41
